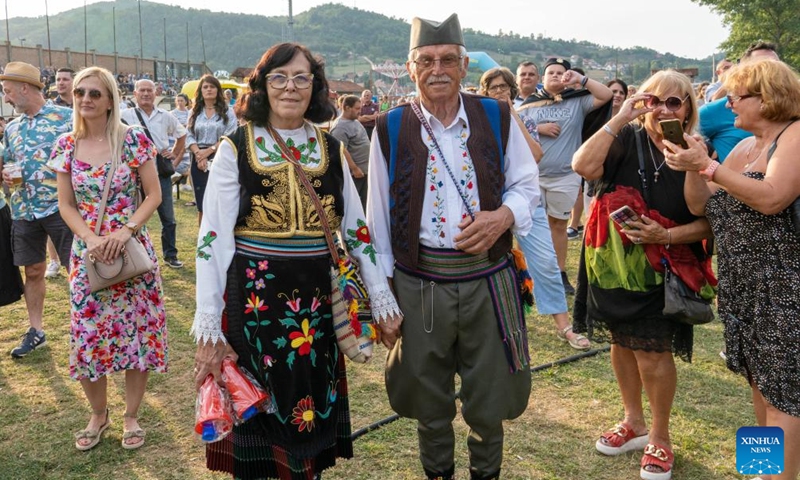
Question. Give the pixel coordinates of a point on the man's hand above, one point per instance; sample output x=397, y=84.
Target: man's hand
x=549, y=129
x=390, y=330
x=7, y=179
x=478, y=235
x=357, y=172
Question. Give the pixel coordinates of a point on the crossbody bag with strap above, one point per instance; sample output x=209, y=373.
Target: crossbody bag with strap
x=164, y=165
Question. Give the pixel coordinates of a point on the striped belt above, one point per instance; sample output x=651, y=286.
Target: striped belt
x=447, y=266
x=251, y=246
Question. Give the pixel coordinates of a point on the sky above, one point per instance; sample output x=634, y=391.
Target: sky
x=685, y=28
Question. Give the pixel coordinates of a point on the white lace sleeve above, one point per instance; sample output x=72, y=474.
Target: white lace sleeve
x=355, y=234
x=383, y=303
x=215, y=244
x=207, y=327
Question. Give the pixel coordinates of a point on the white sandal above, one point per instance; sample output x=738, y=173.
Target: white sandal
x=576, y=341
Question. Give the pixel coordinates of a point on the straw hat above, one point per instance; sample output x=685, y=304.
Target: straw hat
x=23, y=72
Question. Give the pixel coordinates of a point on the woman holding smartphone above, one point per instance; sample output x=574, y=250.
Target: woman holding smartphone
x=624, y=267
x=748, y=200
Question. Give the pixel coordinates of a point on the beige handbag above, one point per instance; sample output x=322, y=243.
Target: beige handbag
x=131, y=262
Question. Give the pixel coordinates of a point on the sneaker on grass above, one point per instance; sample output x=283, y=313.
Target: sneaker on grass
x=173, y=262
x=53, y=269
x=31, y=340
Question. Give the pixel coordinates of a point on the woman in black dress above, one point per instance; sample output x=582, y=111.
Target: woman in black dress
x=624, y=267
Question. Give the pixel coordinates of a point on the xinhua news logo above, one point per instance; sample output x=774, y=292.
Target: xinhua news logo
x=759, y=450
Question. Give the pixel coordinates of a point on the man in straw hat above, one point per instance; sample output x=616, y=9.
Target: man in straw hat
x=451, y=177
x=28, y=142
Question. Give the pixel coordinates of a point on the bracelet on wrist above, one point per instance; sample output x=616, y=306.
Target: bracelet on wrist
x=584, y=80
x=608, y=130
x=669, y=238
x=708, y=172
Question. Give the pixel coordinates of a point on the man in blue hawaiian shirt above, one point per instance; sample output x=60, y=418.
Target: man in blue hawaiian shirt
x=28, y=142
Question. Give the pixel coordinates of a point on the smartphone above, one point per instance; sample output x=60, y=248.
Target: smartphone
x=673, y=131
x=624, y=216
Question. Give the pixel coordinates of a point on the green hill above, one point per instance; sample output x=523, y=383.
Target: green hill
x=233, y=40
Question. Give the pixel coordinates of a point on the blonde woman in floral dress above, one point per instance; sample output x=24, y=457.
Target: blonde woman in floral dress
x=122, y=327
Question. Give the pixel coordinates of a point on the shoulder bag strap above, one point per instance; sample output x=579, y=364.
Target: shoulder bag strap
x=775, y=142
x=106, y=188
x=144, y=124
x=428, y=129
x=323, y=219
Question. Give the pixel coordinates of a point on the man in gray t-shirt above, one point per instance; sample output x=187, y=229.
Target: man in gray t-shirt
x=559, y=123
x=353, y=135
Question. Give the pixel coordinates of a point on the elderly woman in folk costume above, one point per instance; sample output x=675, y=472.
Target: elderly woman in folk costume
x=263, y=257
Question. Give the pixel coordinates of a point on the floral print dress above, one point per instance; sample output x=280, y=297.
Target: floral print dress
x=122, y=327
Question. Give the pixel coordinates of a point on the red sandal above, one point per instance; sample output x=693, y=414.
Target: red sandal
x=619, y=440
x=657, y=456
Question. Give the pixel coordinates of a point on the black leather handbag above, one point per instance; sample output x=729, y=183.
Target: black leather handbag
x=683, y=304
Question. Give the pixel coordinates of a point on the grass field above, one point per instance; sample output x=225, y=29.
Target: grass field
x=41, y=407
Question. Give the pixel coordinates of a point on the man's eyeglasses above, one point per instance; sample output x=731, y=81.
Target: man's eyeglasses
x=735, y=98
x=280, y=81
x=673, y=104
x=501, y=87
x=93, y=94
x=448, y=61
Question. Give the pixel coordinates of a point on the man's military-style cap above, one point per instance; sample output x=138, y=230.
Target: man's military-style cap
x=427, y=32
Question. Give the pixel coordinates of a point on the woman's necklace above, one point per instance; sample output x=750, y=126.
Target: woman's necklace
x=657, y=174
x=752, y=162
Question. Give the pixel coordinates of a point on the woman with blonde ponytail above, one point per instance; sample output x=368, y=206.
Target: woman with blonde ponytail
x=122, y=327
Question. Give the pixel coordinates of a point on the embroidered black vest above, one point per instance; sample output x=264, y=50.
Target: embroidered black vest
x=408, y=189
x=273, y=203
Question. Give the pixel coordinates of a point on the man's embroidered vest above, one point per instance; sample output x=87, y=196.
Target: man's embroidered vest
x=407, y=190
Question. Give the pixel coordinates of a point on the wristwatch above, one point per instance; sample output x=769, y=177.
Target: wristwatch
x=213, y=148
x=132, y=226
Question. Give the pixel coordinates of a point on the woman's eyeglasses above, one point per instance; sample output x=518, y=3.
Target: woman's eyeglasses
x=502, y=87
x=93, y=94
x=735, y=98
x=448, y=61
x=280, y=81
x=673, y=104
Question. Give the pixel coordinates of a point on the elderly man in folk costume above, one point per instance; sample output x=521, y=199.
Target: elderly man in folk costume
x=451, y=179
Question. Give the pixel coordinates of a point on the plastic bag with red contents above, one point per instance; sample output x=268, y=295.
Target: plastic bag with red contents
x=248, y=397
x=213, y=417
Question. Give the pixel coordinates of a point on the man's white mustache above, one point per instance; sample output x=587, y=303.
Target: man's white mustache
x=439, y=78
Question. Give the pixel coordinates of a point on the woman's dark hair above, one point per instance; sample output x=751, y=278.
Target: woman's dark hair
x=620, y=83
x=220, y=104
x=507, y=76
x=254, y=105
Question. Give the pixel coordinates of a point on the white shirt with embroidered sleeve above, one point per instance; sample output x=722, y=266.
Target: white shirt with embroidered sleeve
x=443, y=207
x=382, y=301
x=216, y=246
